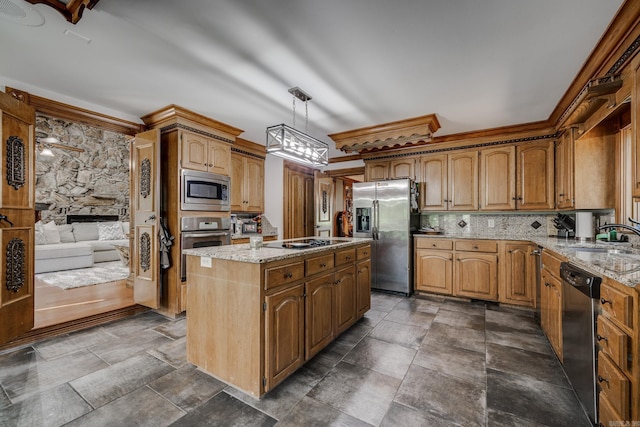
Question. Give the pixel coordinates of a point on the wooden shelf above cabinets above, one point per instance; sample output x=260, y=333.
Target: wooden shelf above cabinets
x=596, y=93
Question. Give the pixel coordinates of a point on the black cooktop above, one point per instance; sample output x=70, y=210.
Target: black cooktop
x=304, y=243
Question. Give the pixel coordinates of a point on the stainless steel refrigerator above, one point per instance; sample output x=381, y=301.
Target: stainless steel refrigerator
x=383, y=211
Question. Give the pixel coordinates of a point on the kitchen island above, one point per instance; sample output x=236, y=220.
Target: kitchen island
x=256, y=315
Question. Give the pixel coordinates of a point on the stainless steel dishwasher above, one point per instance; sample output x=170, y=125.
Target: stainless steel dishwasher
x=581, y=307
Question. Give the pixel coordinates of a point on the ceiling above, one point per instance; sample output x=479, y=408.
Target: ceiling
x=476, y=64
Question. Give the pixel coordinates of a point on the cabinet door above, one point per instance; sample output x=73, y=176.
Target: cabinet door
x=463, y=181
x=434, y=271
x=363, y=287
x=194, y=151
x=476, y=276
x=237, y=183
x=254, y=185
x=402, y=169
x=17, y=203
x=376, y=171
x=498, y=179
x=433, y=183
x=564, y=171
x=518, y=267
x=284, y=334
x=319, y=329
x=535, y=182
x=551, y=311
x=345, y=298
x=219, y=157
x=635, y=110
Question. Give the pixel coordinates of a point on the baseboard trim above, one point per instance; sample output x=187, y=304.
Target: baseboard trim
x=72, y=326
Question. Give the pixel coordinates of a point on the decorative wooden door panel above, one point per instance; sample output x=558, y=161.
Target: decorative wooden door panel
x=145, y=176
x=17, y=217
x=324, y=205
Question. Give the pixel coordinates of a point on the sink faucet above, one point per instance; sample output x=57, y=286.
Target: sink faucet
x=625, y=226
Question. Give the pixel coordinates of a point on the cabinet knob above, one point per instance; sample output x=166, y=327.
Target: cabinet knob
x=433, y=245
x=323, y=265
x=601, y=379
x=288, y=275
x=475, y=247
x=348, y=258
x=604, y=301
x=366, y=253
x=210, y=165
x=600, y=338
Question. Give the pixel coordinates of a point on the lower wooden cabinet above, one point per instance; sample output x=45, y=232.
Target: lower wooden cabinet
x=434, y=271
x=518, y=266
x=284, y=333
x=363, y=287
x=319, y=314
x=551, y=310
x=476, y=275
x=345, y=301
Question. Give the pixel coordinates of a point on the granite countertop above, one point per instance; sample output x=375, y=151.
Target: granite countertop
x=244, y=253
x=617, y=261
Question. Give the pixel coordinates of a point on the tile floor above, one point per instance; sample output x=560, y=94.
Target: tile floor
x=409, y=362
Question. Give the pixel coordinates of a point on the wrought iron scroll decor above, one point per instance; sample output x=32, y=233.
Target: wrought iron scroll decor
x=145, y=251
x=15, y=162
x=145, y=177
x=15, y=268
x=325, y=202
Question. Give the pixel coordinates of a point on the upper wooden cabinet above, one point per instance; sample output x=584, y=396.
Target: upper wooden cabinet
x=498, y=178
x=247, y=177
x=390, y=169
x=204, y=154
x=535, y=176
x=449, y=181
x=585, y=174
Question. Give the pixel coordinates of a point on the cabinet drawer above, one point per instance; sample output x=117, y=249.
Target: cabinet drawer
x=477, y=245
x=363, y=252
x=425, y=243
x=613, y=342
x=616, y=305
x=281, y=275
x=607, y=416
x=345, y=257
x=318, y=264
x=614, y=384
x=551, y=263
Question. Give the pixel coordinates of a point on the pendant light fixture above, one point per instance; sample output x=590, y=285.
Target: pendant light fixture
x=292, y=144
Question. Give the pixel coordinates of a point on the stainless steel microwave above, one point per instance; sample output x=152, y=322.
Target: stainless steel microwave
x=204, y=191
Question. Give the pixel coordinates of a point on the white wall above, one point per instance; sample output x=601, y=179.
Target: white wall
x=274, y=191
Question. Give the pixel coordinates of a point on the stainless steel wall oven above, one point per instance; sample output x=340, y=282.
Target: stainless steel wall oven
x=200, y=232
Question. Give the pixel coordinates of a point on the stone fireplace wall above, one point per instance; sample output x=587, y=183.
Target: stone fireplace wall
x=94, y=182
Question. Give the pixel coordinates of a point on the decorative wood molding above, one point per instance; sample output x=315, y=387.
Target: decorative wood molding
x=174, y=115
x=249, y=148
x=610, y=55
x=73, y=326
x=338, y=173
x=595, y=94
x=394, y=134
x=75, y=114
x=71, y=10
x=345, y=158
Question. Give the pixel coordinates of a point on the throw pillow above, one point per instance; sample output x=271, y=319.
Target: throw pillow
x=40, y=238
x=66, y=233
x=51, y=233
x=110, y=231
x=84, y=231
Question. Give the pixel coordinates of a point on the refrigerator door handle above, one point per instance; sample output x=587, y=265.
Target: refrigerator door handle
x=376, y=219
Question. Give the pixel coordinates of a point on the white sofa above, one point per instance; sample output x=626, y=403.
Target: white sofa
x=77, y=245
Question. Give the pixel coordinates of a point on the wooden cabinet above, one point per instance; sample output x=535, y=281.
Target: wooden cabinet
x=434, y=266
x=517, y=273
x=498, y=179
x=247, y=184
x=449, y=182
x=585, y=175
x=433, y=182
x=551, y=300
x=363, y=287
x=618, y=334
x=475, y=274
x=635, y=111
x=246, y=240
x=187, y=140
x=247, y=176
x=535, y=176
x=252, y=324
x=284, y=335
x=204, y=154
x=377, y=170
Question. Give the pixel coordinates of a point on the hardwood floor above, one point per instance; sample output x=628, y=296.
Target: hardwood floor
x=54, y=305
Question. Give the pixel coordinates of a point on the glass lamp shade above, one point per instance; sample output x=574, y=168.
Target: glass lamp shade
x=289, y=143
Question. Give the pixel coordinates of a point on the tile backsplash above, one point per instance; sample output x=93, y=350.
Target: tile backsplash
x=500, y=225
